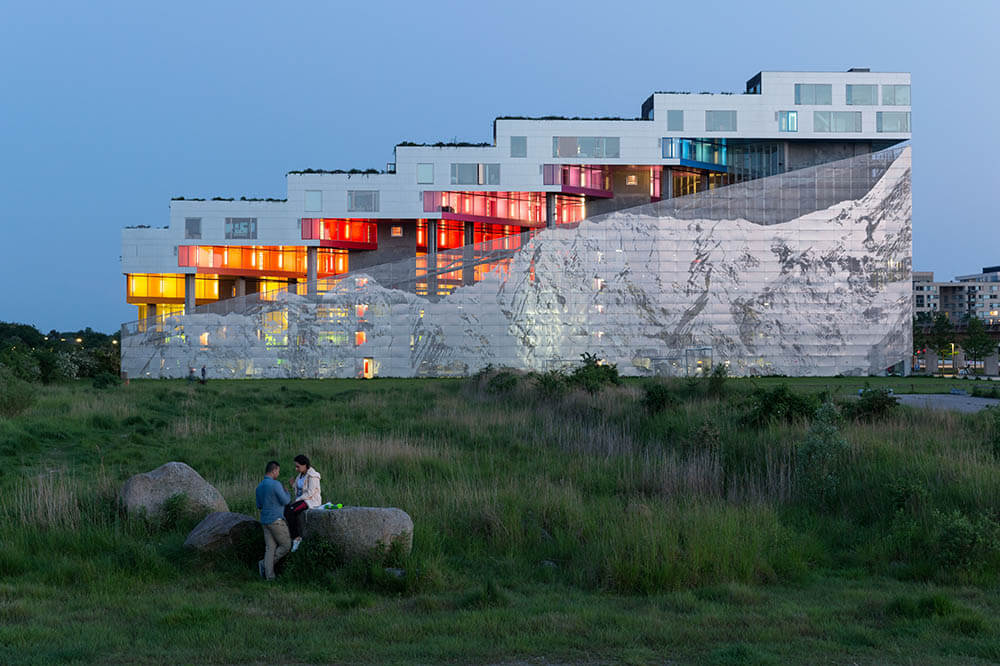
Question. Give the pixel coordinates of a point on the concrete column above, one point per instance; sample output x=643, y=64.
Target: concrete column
x=958, y=360
x=432, y=249
x=931, y=362
x=550, y=210
x=468, y=238
x=990, y=365
x=189, y=293
x=667, y=184
x=241, y=287
x=312, y=269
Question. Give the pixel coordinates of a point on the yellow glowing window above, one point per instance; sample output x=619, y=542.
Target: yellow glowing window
x=203, y=338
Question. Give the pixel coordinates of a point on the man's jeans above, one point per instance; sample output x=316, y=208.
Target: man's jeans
x=277, y=544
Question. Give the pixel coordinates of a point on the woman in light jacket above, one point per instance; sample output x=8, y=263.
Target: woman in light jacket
x=305, y=494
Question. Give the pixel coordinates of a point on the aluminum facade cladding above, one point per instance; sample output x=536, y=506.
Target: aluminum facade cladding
x=801, y=273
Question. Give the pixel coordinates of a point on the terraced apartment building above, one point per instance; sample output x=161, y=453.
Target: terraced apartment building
x=456, y=215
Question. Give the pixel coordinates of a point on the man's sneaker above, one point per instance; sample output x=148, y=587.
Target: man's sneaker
x=296, y=544
x=260, y=568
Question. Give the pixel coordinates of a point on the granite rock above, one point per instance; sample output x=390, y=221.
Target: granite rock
x=150, y=491
x=357, y=531
x=224, y=529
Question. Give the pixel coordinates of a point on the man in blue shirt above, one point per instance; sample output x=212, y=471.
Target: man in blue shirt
x=271, y=500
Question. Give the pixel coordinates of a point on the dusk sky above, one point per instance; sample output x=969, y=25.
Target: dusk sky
x=108, y=109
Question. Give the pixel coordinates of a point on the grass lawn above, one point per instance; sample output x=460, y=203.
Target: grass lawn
x=685, y=522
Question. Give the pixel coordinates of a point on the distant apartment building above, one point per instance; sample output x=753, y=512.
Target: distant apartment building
x=976, y=295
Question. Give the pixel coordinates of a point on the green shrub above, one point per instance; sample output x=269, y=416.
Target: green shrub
x=717, y=380
x=873, y=404
x=594, y=375
x=779, y=404
x=657, y=397
x=16, y=395
x=502, y=382
x=820, y=459
x=940, y=542
x=20, y=362
x=106, y=380
x=550, y=384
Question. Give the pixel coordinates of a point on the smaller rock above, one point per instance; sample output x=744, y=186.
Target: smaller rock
x=549, y=564
x=395, y=573
x=223, y=529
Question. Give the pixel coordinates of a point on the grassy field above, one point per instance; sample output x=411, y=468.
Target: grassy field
x=689, y=522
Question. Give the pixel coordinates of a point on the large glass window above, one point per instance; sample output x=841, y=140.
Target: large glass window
x=425, y=174
x=711, y=151
x=241, y=228
x=896, y=95
x=788, y=121
x=192, y=227
x=314, y=201
x=813, y=93
x=892, y=121
x=362, y=201
x=862, y=95
x=518, y=146
x=475, y=174
x=836, y=121
x=720, y=121
x=586, y=146
x=675, y=121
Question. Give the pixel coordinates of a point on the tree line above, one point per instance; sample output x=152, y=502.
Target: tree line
x=33, y=356
x=937, y=334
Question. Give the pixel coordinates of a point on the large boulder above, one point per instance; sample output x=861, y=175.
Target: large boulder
x=150, y=491
x=223, y=530
x=356, y=531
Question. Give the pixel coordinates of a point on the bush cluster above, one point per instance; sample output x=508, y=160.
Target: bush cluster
x=765, y=406
x=594, y=375
x=16, y=395
x=821, y=457
x=873, y=404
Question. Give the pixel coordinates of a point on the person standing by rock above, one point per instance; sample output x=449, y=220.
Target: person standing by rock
x=271, y=500
x=305, y=486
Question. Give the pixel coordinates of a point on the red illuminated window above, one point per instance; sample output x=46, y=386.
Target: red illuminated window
x=341, y=233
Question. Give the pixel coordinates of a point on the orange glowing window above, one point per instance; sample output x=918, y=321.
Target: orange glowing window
x=360, y=310
x=396, y=232
x=369, y=368
x=359, y=338
x=288, y=261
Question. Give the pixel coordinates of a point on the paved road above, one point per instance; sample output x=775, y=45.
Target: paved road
x=958, y=403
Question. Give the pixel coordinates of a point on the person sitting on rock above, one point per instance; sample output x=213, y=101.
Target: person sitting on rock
x=305, y=486
x=271, y=500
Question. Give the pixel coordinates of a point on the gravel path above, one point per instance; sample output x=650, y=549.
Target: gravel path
x=958, y=403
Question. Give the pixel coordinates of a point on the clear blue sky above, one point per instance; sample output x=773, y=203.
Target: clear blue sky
x=108, y=109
